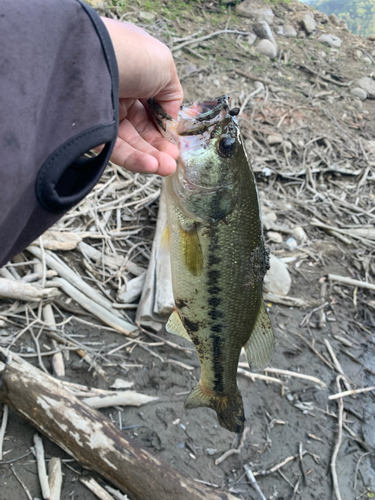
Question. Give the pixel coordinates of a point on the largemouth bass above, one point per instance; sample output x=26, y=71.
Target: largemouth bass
x=217, y=253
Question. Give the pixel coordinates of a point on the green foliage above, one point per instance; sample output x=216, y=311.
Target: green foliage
x=359, y=14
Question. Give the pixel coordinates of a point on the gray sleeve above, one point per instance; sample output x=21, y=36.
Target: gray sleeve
x=58, y=99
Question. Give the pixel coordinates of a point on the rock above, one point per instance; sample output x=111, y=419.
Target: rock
x=368, y=84
x=263, y=31
x=308, y=22
x=251, y=39
x=289, y=31
x=299, y=234
x=371, y=38
x=148, y=17
x=267, y=48
x=277, y=279
x=274, y=237
x=291, y=243
x=343, y=24
x=330, y=40
x=279, y=30
x=358, y=92
x=367, y=60
x=357, y=54
x=259, y=85
x=248, y=9
x=274, y=139
x=334, y=20
x=321, y=17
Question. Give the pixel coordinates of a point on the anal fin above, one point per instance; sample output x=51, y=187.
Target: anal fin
x=175, y=326
x=259, y=347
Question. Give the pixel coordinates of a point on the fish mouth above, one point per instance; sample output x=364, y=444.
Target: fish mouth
x=192, y=120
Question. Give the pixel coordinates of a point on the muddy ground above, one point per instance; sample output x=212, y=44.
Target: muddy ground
x=297, y=183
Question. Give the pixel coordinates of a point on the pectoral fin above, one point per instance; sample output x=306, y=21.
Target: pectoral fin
x=191, y=250
x=259, y=347
x=175, y=326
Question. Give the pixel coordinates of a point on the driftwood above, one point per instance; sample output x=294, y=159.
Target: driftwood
x=91, y=438
x=19, y=290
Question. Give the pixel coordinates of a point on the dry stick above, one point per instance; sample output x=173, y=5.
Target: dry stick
x=337, y=364
x=349, y=281
x=357, y=467
x=338, y=442
x=19, y=290
x=253, y=77
x=92, y=439
x=320, y=356
x=55, y=478
x=259, y=376
x=351, y=393
x=125, y=398
x=57, y=359
x=287, y=373
x=273, y=469
x=253, y=481
x=96, y=309
x=206, y=37
x=95, y=487
x=73, y=278
x=233, y=451
x=42, y=473
x=21, y=483
x=3, y=429
x=116, y=494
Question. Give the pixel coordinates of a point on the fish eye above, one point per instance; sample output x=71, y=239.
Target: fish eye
x=226, y=146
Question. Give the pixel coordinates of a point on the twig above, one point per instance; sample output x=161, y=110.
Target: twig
x=338, y=442
x=206, y=37
x=286, y=373
x=351, y=393
x=95, y=487
x=350, y=281
x=259, y=376
x=320, y=356
x=3, y=429
x=55, y=478
x=273, y=469
x=233, y=451
x=253, y=481
x=21, y=483
x=42, y=473
x=337, y=364
x=357, y=467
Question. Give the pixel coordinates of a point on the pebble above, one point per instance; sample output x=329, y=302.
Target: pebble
x=247, y=9
x=368, y=84
x=146, y=16
x=330, y=40
x=274, y=139
x=334, y=20
x=357, y=54
x=289, y=31
x=371, y=38
x=263, y=31
x=259, y=85
x=277, y=279
x=299, y=234
x=211, y=451
x=279, y=30
x=367, y=60
x=251, y=39
x=309, y=23
x=267, y=48
x=290, y=397
x=291, y=243
x=274, y=237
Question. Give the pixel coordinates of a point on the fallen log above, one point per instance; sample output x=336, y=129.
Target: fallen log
x=91, y=438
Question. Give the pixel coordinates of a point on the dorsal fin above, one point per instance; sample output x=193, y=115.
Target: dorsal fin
x=259, y=347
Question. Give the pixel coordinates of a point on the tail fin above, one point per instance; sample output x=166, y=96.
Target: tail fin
x=229, y=408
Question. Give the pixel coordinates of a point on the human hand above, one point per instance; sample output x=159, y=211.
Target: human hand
x=146, y=69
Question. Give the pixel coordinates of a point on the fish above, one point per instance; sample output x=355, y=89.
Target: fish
x=218, y=254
